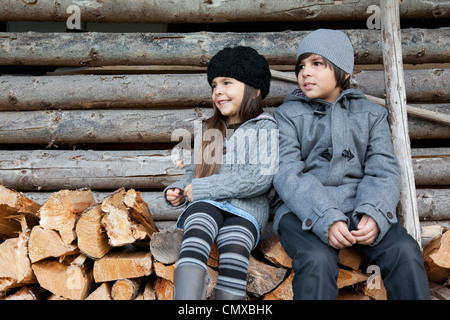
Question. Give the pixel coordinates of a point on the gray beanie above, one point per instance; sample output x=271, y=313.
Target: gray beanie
x=334, y=45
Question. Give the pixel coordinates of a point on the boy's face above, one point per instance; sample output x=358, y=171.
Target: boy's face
x=316, y=80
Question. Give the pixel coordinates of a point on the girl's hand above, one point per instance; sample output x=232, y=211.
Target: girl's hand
x=188, y=192
x=367, y=230
x=339, y=236
x=175, y=197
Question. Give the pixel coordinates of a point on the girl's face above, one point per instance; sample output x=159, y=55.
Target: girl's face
x=316, y=80
x=227, y=95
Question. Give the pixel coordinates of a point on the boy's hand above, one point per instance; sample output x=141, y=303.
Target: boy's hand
x=339, y=236
x=367, y=230
x=175, y=196
x=188, y=192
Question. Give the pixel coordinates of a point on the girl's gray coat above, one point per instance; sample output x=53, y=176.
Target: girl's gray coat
x=246, y=173
x=335, y=159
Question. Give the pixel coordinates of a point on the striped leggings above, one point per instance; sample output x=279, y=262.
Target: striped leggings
x=235, y=237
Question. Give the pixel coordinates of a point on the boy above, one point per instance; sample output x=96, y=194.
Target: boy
x=338, y=182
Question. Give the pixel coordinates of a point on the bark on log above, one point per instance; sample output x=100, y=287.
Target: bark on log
x=108, y=170
x=179, y=11
x=398, y=120
x=439, y=269
x=196, y=49
x=132, y=126
x=54, y=170
x=115, y=91
x=176, y=91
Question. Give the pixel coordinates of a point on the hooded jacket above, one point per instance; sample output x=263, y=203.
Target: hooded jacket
x=246, y=173
x=336, y=163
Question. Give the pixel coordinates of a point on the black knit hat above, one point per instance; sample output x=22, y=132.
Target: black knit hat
x=244, y=64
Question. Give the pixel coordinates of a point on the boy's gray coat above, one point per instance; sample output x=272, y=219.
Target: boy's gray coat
x=335, y=158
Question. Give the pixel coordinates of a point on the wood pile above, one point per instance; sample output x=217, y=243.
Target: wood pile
x=74, y=247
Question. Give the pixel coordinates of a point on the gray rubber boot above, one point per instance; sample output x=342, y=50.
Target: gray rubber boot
x=190, y=282
x=219, y=294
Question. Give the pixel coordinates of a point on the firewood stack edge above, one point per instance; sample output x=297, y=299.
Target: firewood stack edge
x=76, y=247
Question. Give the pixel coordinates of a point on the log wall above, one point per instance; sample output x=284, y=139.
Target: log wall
x=110, y=124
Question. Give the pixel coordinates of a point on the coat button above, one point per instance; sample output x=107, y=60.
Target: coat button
x=308, y=222
x=390, y=215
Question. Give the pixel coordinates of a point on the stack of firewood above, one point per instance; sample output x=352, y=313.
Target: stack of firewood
x=74, y=247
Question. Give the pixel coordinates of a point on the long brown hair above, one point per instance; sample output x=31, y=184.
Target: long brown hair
x=252, y=106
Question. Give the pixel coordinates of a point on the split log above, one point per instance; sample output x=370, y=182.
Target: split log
x=44, y=244
x=15, y=266
x=179, y=11
x=349, y=258
x=13, y=206
x=91, y=235
x=125, y=289
x=103, y=292
x=126, y=218
x=350, y=277
x=27, y=293
x=436, y=257
x=164, y=271
x=398, y=120
x=169, y=91
x=196, y=49
x=263, y=278
x=283, y=291
x=71, y=280
x=165, y=246
x=123, y=265
x=273, y=251
x=62, y=210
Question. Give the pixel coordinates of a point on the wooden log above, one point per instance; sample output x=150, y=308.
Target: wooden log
x=26, y=293
x=115, y=91
x=431, y=171
x=163, y=289
x=396, y=104
x=349, y=258
x=13, y=206
x=263, y=278
x=196, y=49
x=71, y=280
x=103, y=292
x=125, y=289
x=123, y=265
x=350, y=277
x=431, y=251
x=44, y=244
x=15, y=266
x=165, y=246
x=168, y=91
x=62, y=210
x=433, y=204
x=126, y=218
x=273, y=251
x=91, y=235
x=283, y=291
x=199, y=11
x=54, y=170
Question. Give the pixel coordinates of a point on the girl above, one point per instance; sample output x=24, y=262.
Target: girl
x=227, y=190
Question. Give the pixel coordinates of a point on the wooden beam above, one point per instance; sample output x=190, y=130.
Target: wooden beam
x=196, y=49
x=398, y=119
x=179, y=90
x=141, y=170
